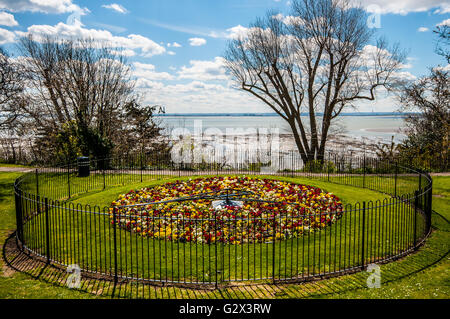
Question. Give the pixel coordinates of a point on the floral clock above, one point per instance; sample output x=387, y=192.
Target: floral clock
x=270, y=210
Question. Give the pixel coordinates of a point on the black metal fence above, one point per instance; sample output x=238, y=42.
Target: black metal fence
x=292, y=245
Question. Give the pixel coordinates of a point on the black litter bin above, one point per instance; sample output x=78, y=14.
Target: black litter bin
x=83, y=166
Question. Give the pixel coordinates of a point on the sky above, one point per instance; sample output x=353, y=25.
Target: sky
x=175, y=47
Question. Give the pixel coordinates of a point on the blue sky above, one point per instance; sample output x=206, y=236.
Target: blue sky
x=175, y=46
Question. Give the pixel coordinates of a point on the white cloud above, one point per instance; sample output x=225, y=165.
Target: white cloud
x=7, y=19
x=237, y=32
x=195, y=86
x=383, y=103
x=367, y=57
x=196, y=42
x=142, y=83
x=423, y=29
x=288, y=20
x=406, y=66
x=6, y=36
x=240, y=31
x=171, y=53
x=174, y=45
x=445, y=22
x=443, y=9
x=201, y=95
x=45, y=6
x=198, y=96
x=404, y=6
x=204, y=70
x=124, y=52
x=144, y=66
x=147, y=71
x=115, y=7
x=403, y=76
x=146, y=46
x=443, y=68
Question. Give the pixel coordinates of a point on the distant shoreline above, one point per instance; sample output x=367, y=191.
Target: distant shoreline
x=397, y=114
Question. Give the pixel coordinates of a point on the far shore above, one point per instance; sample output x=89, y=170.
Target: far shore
x=276, y=115
x=385, y=130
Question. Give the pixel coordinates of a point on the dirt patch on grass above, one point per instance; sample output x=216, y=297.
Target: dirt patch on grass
x=7, y=271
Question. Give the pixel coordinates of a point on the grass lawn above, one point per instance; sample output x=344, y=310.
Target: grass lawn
x=431, y=282
x=16, y=285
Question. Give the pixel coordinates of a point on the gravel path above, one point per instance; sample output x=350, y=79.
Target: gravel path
x=16, y=169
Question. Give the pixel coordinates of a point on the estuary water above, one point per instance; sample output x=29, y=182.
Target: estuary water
x=373, y=128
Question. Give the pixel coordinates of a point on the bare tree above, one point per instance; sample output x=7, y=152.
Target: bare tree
x=443, y=32
x=81, y=100
x=11, y=87
x=77, y=83
x=317, y=61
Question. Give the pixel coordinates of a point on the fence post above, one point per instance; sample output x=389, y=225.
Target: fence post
x=363, y=235
x=429, y=203
x=115, y=244
x=37, y=182
x=68, y=178
x=215, y=247
x=273, y=249
x=279, y=162
x=141, y=166
x=47, y=230
x=395, y=178
x=364, y=171
x=328, y=166
x=292, y=164
x=416, y=203
x=19, y=215
x=420, y=178
x=103, y=173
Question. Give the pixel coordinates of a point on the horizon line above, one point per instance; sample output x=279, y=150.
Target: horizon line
x=275, y=114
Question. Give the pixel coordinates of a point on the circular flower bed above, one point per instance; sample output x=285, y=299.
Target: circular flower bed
x=275, y=210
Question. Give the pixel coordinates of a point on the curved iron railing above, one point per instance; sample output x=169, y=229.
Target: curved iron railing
x=99, y=240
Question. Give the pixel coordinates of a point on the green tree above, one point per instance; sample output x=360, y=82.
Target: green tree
x=428, y=129
x=141, y=130
x=427, y=141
